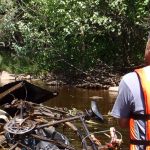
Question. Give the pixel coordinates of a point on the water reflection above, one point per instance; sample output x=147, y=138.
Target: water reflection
x=80, y=98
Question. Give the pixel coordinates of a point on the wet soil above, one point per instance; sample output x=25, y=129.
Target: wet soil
x=99, y=77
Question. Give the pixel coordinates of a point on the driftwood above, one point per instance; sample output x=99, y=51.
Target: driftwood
x=15, y=87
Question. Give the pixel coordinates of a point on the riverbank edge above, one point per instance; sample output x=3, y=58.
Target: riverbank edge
x=109, y=83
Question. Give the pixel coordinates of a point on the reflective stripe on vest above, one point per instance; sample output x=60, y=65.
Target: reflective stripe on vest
x=144, y=77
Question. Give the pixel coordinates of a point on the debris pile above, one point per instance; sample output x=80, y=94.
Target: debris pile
x=25, y=125
x=101, y=76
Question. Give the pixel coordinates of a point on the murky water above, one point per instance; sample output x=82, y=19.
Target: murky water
x=70, y=97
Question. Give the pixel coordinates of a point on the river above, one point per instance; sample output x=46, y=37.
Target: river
x=78, y=98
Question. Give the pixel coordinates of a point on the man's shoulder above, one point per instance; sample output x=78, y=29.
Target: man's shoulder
x=130, y=77
x=130, y=81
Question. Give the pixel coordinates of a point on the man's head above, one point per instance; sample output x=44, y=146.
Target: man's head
x=147, y=51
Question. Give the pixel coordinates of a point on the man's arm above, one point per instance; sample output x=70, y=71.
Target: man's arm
x=122, y=107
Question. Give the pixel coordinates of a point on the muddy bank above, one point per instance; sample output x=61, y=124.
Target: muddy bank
x=99, y=77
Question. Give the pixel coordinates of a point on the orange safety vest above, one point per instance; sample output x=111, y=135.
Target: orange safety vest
x=144, y=78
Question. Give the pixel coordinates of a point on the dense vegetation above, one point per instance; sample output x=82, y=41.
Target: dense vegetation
x=71, y=36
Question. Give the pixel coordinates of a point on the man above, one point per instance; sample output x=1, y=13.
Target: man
x=132, y=106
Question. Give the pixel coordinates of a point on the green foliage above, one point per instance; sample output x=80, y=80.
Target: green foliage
x=72, y=35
